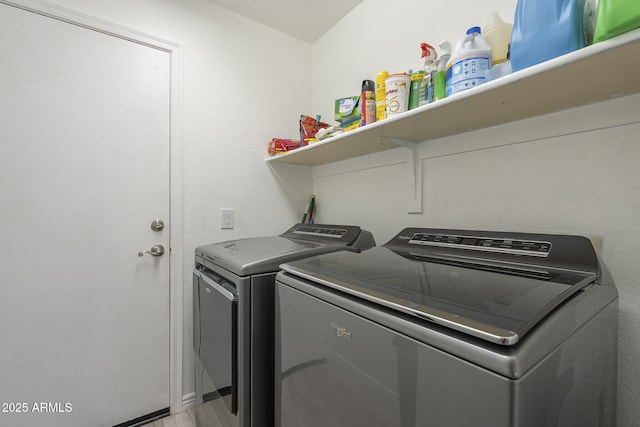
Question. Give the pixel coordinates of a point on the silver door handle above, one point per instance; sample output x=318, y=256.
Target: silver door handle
x=156, y=250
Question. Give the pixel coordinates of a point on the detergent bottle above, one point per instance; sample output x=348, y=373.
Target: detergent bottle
x=498, y=34
x=615, y=17
x=545, y=29
x=471, y=58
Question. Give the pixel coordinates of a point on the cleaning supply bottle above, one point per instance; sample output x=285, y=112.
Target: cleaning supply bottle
x=589, y=20
x=430, y=55
x=470, y=59
x=431, y=87
x=498, y=34
x=368, y=102
x=421, y=78
x=440, y=79
x=381, y=96
x=615, y=17
x=417, y=90
x=543, y=30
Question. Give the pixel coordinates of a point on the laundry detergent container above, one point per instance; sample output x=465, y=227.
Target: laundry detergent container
x=616, y=17
x=545, y=29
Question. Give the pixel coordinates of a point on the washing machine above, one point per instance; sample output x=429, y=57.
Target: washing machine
x=233, y=323
x=448, y=328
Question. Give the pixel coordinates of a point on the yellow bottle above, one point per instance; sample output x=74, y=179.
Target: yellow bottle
x=381, y=96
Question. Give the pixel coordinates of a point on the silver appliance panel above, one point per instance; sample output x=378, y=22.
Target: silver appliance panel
x=219, y=343
x=496, y=303
x=258, y=255
x=342, y=362
x=538, y=250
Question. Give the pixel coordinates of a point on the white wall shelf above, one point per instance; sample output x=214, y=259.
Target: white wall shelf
x=606, y=70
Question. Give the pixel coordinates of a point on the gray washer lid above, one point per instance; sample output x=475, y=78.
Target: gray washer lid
x=258, y=255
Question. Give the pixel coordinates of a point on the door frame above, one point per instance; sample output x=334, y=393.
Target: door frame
x=175, y=169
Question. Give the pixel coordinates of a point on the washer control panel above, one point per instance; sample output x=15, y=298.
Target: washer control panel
x=542, y=250
x=489, y=244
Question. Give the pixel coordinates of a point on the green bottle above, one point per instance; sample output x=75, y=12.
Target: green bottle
x=440, y=78
x=417, y=90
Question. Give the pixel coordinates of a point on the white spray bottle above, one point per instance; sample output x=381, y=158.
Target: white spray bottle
x=430, y=55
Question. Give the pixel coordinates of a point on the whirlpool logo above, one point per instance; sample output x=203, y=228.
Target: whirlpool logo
x=341, y=332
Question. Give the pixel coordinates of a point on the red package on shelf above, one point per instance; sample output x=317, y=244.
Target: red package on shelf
x=281, y=146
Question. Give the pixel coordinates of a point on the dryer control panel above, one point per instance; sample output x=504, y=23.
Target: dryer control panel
x=312, y=230
x=335, y=234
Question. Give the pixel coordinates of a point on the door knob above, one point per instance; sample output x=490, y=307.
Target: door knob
x=156, y=250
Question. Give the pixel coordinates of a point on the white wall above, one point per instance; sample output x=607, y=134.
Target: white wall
x=383, y=35
x=234, y=72
x=571, y=172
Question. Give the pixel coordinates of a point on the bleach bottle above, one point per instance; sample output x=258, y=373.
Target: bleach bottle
x=545, y=29
x=471, y=58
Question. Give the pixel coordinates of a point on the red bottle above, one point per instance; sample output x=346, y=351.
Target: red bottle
x=368, y=102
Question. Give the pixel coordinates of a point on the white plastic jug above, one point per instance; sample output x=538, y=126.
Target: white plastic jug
x=470, y=60
x=498, y=34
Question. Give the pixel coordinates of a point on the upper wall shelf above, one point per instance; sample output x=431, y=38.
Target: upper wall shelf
x=606, y=70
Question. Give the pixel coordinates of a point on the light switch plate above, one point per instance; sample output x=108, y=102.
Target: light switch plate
x=226, y=218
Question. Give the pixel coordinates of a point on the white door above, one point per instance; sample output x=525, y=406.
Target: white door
x=84, y=169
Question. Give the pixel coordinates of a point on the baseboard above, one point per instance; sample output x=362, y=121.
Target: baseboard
x=145, y=419
x=188, y=401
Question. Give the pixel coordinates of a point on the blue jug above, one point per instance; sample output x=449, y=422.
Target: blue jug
x=545, y=29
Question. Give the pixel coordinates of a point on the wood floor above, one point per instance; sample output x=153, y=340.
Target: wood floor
x=205, y=413
x=183, y=419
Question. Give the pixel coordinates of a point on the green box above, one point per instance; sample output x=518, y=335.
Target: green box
x=347, y=109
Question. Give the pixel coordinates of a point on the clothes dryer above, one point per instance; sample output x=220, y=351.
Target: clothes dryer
x=233, y=318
